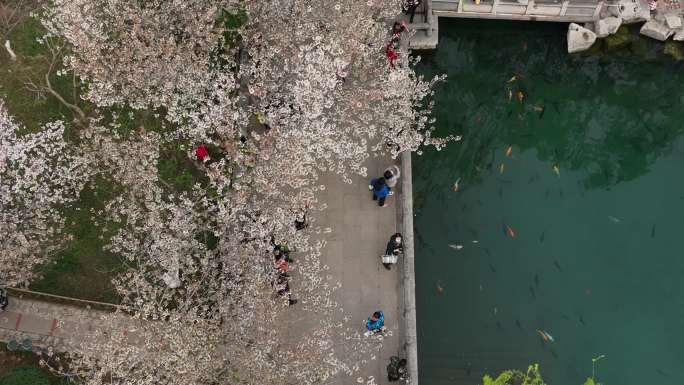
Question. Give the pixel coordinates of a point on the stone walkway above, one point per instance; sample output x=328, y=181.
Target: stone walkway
x=360, y=234
x=45, y=323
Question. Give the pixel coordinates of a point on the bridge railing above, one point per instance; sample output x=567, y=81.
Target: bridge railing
x=548, y=10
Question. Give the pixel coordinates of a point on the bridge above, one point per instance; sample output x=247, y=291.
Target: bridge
x=568, y=11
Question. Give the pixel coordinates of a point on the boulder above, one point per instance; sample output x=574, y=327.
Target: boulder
x=656, y=30
x=579, y=38
x=673, y=21
x=679, y=35
x=631, y=11
x=607, y=26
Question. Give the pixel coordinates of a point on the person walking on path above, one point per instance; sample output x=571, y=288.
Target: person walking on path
x=375, y=324
x=380, y=190
x=395, y=247
x=410, y=8
x=391, y=175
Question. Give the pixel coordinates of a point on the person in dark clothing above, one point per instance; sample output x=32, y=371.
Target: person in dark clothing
x=410, y=8
x=396, y=370
x=395, y=247
x=3, y=299
x=282, y=288
x=380, y=190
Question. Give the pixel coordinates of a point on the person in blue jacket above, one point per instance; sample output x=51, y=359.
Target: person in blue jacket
x=380, y=190
x=376, y=322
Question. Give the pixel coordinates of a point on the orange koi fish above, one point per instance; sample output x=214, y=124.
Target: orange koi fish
x=509, y=231
x=520, y=95
x=545, y=336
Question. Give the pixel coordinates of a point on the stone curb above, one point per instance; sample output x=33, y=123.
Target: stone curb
x=409, y=279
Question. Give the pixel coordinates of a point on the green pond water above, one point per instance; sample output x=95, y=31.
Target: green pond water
x=597, y=259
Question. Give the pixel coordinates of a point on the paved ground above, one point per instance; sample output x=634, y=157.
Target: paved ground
x=45, y=323
x=361, y=230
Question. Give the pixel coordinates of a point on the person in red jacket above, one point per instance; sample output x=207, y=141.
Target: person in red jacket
x=391, y=53
x=202, y=153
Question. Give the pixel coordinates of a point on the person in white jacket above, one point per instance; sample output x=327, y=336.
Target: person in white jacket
x=391, y=175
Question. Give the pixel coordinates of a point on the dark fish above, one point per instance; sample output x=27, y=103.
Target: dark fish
x=542, y=236
x=492, y=268
x=541, y=113
x=536, y=280
x=653, y=231
x=565, y=317
x=518, y=324
x=558, y=266
x=662, y=373
x=554, y=354
x=510, y=112
x=561, y=194
x=487, y=252
x=534, y=295
x=581, y=320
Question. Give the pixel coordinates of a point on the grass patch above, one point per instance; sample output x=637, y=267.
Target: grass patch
x=177, y=170
x=83, y=269
x=23, y=368
x=33, y=62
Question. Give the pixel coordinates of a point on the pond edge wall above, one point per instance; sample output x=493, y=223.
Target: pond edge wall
x=409, y=278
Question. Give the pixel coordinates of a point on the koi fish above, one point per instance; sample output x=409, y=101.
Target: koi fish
x=456, y=185
x=440, y=289
x=556, y=169
x=456, y=247
x=512, y=79
x=613, y=219
x=501, y=168
x=509, y=151
x=545, y=336
x=520, y=96
x=509, y=231
x=510, y=95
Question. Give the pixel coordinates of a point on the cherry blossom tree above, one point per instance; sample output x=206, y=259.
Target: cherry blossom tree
x=301, y=88
x=40, y=173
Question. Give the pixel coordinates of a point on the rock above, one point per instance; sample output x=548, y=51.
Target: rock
x=631, y=11
x=656, y=30
x=673, y=21
x=674, y=49
x=607, y=26
x=679, y=35
x=579, y=38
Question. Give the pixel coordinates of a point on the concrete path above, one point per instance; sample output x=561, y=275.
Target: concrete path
x=360, y=234
x=46, y=324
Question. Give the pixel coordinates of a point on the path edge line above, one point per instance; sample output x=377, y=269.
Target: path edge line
x=409, y=280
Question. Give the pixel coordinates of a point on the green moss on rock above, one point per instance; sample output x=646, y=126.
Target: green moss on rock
x=674, y=49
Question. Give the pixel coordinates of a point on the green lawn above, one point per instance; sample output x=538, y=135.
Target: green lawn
x=23, y=368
